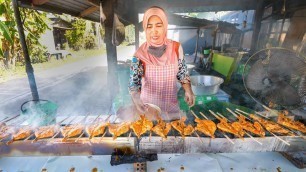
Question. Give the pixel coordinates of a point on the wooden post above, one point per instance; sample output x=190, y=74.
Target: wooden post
x=29, y=68
x=257, y=24
x=111, y=51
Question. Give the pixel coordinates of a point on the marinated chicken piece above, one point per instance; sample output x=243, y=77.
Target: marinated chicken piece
x=45, y=132
x=255, y=128
x=96, y=129
x=233, y=128
x=207, y=127
x=181, y=127
x=72, y=130
x=271, y=126
x=141, y=126
x=118, y=129
x=5, y=131
x=22, y=133
x=162, y=128
x=282, y=119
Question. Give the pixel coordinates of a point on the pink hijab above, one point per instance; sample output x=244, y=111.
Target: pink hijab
x=142, y=53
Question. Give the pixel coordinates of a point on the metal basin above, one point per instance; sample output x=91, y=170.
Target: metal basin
x=205, y=84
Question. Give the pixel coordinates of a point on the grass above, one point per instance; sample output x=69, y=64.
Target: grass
x=19, y=71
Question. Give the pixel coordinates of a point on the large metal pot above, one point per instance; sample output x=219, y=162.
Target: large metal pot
x=205, y=84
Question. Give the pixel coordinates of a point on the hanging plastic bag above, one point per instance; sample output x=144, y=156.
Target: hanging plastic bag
x=118, y=33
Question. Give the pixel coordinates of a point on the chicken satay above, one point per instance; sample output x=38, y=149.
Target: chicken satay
x=141, y=126
x=271, y=126
x=282, y=119
x=233, y=128
x=255, y=128
x=45, y=131
x=207, y=127
x=96, y=129
x=182, y=128
x=22, y=133
x=72, y=130
x=162, y=128
x=118, y=129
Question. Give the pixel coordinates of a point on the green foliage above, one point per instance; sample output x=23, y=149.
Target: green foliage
x=34, y=24
x=89, y=42
x=38, y=54
x=76, y=35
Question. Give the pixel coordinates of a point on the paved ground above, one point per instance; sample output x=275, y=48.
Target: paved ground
x=78, y=87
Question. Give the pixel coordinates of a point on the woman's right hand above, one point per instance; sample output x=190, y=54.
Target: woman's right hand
x=141, y=107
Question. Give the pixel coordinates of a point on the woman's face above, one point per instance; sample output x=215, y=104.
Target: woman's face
x=155, y=30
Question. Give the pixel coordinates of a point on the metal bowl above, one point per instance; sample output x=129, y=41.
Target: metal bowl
x=205, y=84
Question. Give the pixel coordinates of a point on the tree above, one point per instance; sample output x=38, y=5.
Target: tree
x=34, y=23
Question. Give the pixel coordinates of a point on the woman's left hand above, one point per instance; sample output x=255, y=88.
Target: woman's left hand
x=189, y=98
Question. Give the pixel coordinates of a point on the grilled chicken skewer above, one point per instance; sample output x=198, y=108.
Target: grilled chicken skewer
x=244, y=125
x=216, y=116
x=118, y=129
x=97, y=128
x=182, y=128
x=255, y=128
x=287, y=122
x=141, y=126
x=47, y=131
x=233, y=128
x=162, y=128
x=207, y=127
x=271, y=127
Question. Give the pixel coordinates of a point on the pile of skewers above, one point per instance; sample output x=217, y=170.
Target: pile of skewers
x=250, y=125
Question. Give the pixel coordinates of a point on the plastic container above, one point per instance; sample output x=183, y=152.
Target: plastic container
x=205, y=84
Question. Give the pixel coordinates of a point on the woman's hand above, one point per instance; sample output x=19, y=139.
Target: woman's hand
x=189, y=96
x=140, y=106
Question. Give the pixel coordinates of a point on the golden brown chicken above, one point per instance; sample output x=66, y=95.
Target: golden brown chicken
x=5, y=131
x=72, y=130
x=255, y=128
x=233, y=128
x=22, y=133
x=141, y=126
x=181, y=127
x=207, y=127
x=118, y=129
x=271, y=126
x=96, y=129
x=45, y=131
x=162, y=128
x=282, y=119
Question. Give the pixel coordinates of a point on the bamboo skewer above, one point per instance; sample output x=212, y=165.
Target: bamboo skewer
x=269, y=131
x=195, y=130
x=7, y=120
x=247, y=133
x=3, y=119
x=230, y=140
x=42, y=131
x=59, y=129
x=292, y=131
x=204, y=115
x=67, y=136
x=106, y=120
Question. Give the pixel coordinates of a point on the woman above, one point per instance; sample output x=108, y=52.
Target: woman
x=157, y=66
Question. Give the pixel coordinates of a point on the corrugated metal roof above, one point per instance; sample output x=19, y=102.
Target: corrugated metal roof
x=127, y=8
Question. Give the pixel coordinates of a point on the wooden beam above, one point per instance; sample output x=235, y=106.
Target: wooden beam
x=39, y=2
x=94, y=2
x=89, y=11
